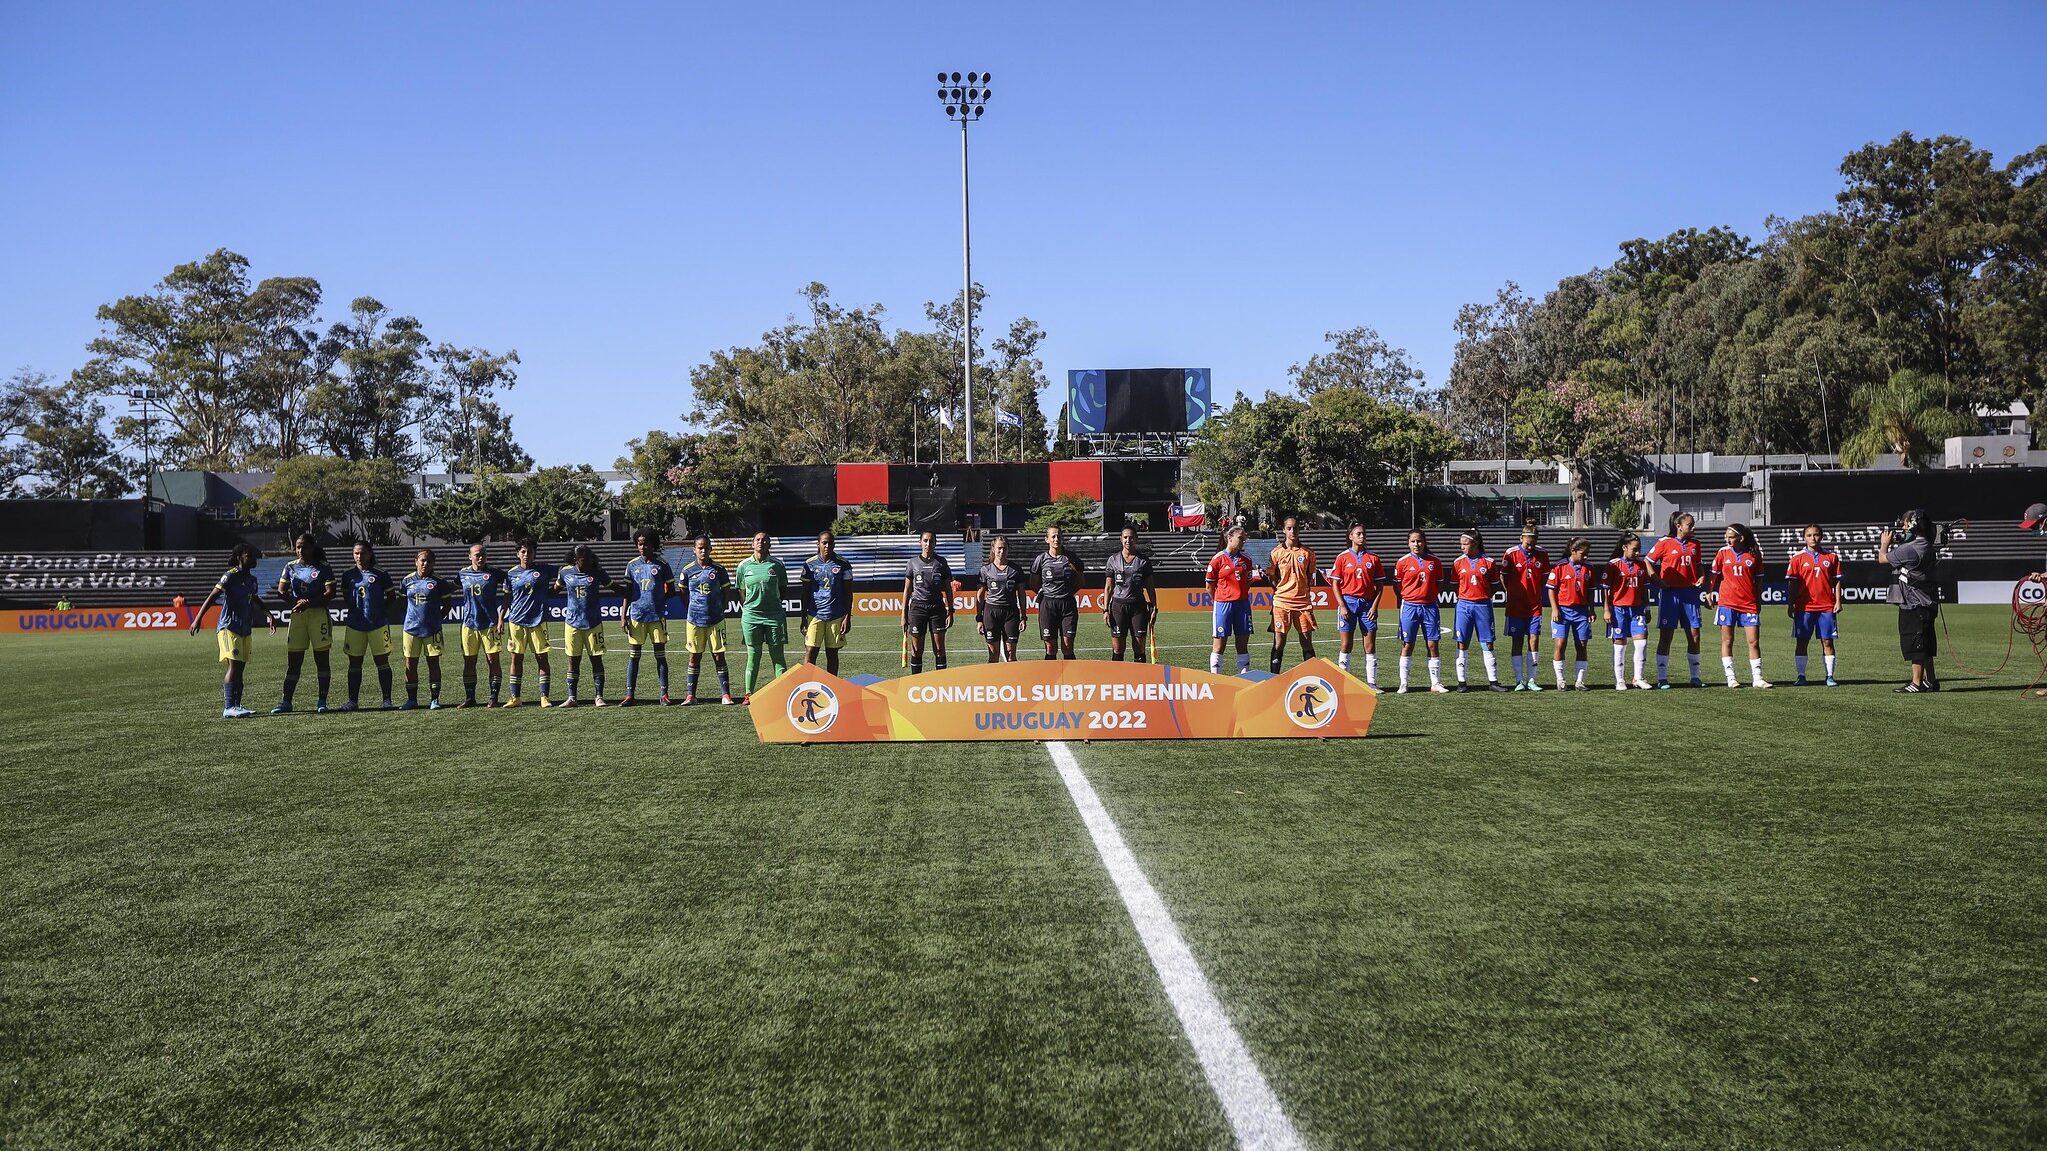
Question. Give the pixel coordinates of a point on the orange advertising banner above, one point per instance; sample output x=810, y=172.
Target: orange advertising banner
x=100, y=619
x=1063, y=699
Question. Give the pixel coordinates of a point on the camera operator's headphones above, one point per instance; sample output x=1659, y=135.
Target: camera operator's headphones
x=1910, y=523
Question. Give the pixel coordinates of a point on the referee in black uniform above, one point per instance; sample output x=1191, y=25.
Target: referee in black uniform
x=1129, y=602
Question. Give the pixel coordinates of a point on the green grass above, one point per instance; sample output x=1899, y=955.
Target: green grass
x=1699, y=919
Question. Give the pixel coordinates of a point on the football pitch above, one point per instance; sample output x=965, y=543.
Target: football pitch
x=1715, y=918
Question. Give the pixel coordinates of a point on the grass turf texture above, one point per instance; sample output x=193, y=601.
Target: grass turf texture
x=1793, y=918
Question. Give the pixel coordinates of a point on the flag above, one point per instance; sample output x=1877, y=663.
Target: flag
x=1190, y=515
x=1008, y=419
x=945, y=417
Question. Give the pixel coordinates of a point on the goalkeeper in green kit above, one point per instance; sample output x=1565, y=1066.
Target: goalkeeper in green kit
x=763, y=620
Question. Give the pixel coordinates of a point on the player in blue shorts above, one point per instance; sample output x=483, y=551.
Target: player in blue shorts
x=1354, y=580
x=1419, y=576
x=1476, y=575
x=1230, y=576
x=1570, y=586
x=1627, y=607
x=1813, y=580
x=1680, y=574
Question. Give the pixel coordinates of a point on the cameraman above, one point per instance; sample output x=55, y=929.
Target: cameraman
x=1908, y=549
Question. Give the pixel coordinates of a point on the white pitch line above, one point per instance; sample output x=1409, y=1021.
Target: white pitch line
x=1247, y=1100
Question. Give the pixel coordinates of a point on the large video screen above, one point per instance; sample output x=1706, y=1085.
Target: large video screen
x=1116, y=401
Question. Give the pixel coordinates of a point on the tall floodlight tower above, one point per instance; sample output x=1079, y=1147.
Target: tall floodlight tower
x=965, y=99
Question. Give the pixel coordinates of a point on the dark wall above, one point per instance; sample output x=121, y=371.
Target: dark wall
x=72, y=525
x=1986, y=494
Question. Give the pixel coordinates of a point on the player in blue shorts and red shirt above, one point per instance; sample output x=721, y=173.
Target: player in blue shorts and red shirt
x=1230, y=576
x=1476, y=574
x=1570, y=589
x=1355, y=579
x=1680, y=573
x=1419, y=576
x=1627, y=607
x=1736, y=569
x=1524, y=572
x=1813, y=581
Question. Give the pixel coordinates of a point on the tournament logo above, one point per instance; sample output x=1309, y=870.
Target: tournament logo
x=1311, y=702
x=813, y=708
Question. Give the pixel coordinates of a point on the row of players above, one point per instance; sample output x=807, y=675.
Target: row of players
x=506, y=610
x=503, y=609
x=1532, y=584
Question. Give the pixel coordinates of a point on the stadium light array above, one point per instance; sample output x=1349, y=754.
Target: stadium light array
x=965, y=98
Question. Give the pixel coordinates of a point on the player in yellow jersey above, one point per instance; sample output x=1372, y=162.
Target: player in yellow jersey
x=1294, y=574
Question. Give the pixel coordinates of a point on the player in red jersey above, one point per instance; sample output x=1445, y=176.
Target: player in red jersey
x=1476, y=574
x=1737, y=572
x=1570, y=589
x=1813, y=579
x=1230, y=576
x=1419, y=575
x=1676, y=562
x=1354, y=580
x=1524, y=572
x=1627, y=607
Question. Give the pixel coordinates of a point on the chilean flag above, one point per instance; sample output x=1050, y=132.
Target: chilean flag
x=1190, y=516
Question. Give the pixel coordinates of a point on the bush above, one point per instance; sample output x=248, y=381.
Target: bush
x=871, y=519
x=1624, y=512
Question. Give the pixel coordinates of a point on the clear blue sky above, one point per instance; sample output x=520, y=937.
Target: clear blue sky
x=618, y=190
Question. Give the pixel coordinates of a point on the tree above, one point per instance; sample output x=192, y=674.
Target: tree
x=721, y=478
x=1583, y=426
x=1071, y=512
x=1018, y=378
x=820, y=388
x=1360, y=360
x=284, y=363
x=1491, y=365
x=1924, y=220
x=185, y=342
x=705, y=481
x=1243, y=457
x=653, y=495
x=1353, y=449
x=59, y=445
x=372, y=409
x=481, y=510
x=562, y=503
x=465, y=427
x=834, y=384
x=871, y=519
x=17, y=411
x=314, y=492
x=1902, y=417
